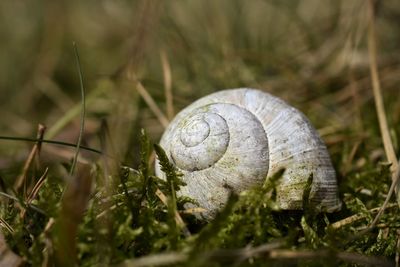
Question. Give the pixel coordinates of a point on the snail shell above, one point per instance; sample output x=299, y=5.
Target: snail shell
x=235, y=139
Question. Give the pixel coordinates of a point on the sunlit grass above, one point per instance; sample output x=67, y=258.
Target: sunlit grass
x=143, y=61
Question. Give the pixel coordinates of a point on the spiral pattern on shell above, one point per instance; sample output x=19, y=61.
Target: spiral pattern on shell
x=235, y=139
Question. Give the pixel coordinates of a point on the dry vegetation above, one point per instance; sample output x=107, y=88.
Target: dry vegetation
x=143, y=61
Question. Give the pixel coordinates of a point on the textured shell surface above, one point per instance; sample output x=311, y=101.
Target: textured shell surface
x=235, y=139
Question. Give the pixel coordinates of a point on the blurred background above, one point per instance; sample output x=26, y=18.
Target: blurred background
x=311, y=53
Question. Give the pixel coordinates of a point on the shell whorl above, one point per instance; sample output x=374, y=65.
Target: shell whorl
x=202, y=141
x=235, y=139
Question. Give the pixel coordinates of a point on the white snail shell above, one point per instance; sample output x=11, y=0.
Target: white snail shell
x=235, y=139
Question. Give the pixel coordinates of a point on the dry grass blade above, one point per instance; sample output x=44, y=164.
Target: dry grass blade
x=239, y=255
x=32, y=195
x=193, y=210
x=171, y=258
x=7, y=257
x=74, y=202
x=152, y=105
x=36, y=188
x=4, y=224
x=267, y=251
x=21, y=180
x=167, y=85
x=178, y=219
x=156, y=260
x=48, y=251
x=350, y=257
x=383, y=124
x=356, y=217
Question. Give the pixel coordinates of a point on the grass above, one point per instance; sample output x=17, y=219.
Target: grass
x=144, y=61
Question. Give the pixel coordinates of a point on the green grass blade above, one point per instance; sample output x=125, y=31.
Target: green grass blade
x=83, y=110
